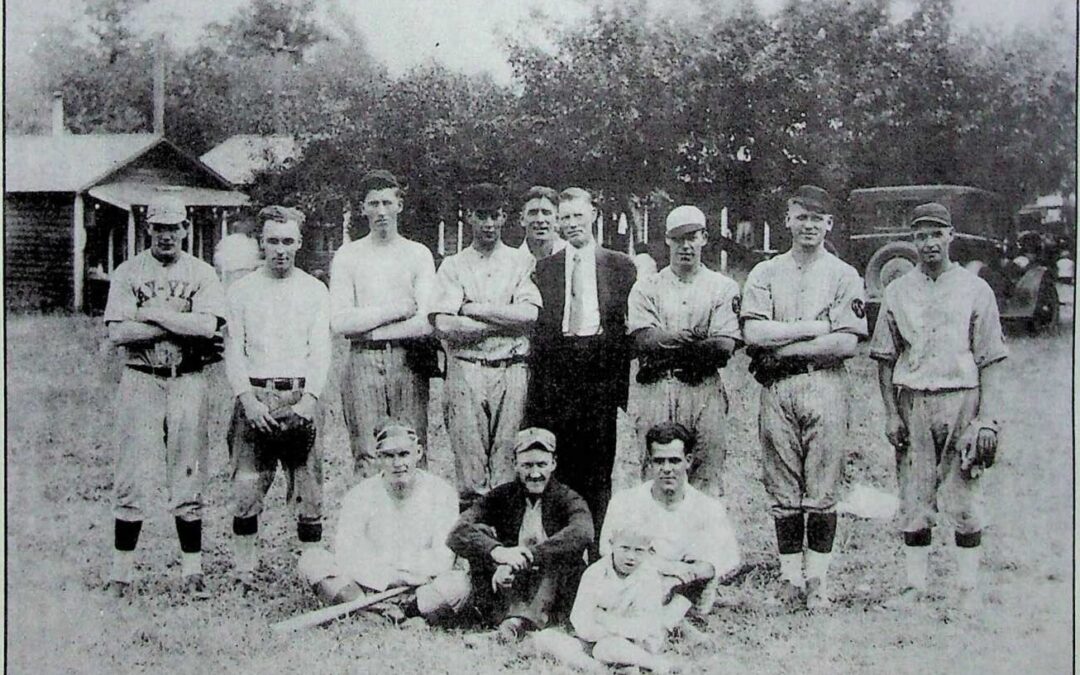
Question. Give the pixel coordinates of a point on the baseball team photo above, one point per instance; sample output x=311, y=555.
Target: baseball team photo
x=662, y=336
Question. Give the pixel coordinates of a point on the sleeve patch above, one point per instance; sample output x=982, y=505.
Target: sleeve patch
x=736, y=304
x=858, y=307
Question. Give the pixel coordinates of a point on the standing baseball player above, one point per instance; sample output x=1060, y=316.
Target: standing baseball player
x=939, y=346
x=685, y=323
x=166, y=309
x=277, y=357
x=381, y=287
x=802, y=315
x=539, y=216
x=487, y=305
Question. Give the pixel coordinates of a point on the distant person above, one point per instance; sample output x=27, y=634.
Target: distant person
x=1065, y=267
x=277, y=359
x=525, y=542
x=391, y=532
x=238, y=254
x=803, y=313
x=539, y=217
x=939, y=347
x=166, y=308
x=381, y=288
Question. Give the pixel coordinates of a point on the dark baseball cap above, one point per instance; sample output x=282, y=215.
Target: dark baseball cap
x=812, y=198
x=483, y=197
x=534, y=438
x=378, y=179
x=931, y=214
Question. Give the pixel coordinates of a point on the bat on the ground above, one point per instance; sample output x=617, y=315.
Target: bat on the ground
x=327, y=614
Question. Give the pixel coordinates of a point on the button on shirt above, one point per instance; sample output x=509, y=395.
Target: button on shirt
x=826, y=288
x=278, y=328
x=938, y=333
x=708, y=301
x=589, y=302
x=502, y=277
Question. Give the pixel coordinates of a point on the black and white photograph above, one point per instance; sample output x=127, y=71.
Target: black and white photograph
x=539, y=336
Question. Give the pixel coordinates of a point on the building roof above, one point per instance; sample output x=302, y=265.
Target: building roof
x=240, y=157
x=126, y=194
x=68, y=162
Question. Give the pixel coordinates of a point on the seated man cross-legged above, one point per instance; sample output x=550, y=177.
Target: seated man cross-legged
x=525, y=542
x=391, y=532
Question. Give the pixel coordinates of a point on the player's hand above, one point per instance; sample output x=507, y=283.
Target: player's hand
x=683, y=572
x=406, y=577
x=258, y=413
x=897, y=433
x=516, y=557
x=405, y=308
x=987, y=443
x=503, y=577
x=306, y=407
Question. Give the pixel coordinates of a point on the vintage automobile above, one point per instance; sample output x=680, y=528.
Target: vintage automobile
x=871, y=234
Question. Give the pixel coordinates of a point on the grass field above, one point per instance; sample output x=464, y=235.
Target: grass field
x=59, y=538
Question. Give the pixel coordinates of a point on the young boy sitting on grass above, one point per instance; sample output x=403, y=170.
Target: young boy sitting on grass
x=624, y=611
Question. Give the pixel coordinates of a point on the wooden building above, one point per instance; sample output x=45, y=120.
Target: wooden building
x=74, y=209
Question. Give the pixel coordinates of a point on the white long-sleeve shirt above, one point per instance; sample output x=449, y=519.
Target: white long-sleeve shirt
x=278, y=328
x=377, y=534
x=696, y=528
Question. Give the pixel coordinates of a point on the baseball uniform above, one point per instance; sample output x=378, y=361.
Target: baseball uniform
x=937, y=334
x=161, y=411
x=709, y=302
x=379, y=380
x=279, y=348
x=803, y=418
x=486, y=379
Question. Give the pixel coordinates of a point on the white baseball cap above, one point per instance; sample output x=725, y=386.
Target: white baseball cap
x=166, y=209
x=684, y=220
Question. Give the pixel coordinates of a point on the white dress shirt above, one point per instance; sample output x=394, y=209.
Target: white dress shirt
x=590, y=324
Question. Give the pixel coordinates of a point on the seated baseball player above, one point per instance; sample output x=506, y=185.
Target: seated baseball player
x=276, y=358
x=525, y=542
x=692, y=536
x=623, y=612
x=391, y=532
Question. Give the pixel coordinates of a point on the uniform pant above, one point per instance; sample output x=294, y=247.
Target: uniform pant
x=448, y=590
x=929, y=471
x=161, y=424
x=538, y=596
x=803, y=425
x=483, y=407
x=253, y=464
x=378, y=384
x=700, y=408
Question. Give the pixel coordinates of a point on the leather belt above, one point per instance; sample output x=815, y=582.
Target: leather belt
x=494, y=363
x=375, y=345
x=163, y=371
x=278, y=383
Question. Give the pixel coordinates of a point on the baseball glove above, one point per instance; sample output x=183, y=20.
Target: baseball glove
x=973, y=459
x=292, y=441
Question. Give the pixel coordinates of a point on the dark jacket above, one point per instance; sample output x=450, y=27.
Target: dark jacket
x=566, y=520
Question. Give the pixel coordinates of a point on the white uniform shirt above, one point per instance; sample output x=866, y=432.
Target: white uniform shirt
x=709, y=301
x=278, y=328
x=696, y=528
x=377, y=533
x=938, y=333
x=590, y=324
x=364, y=274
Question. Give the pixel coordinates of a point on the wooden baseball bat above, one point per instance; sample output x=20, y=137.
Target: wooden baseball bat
x=326, y=614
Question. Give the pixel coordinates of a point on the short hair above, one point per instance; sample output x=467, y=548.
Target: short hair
x=281, y=214
x=391, y=428
x=630, y=530
x=483, y=196
x=540, y=192
x=572, y=193
x=380, y=179
x=666, y=432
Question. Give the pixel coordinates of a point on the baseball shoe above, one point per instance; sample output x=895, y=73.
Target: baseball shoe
x=691, y=635
x=118, y=589
x=512, y=630
x=817, y=600
x=194, y=586
x=788, y=597
x=389, y=611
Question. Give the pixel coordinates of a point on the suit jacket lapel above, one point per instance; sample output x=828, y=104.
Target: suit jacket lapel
x=603, y=290
x=553, y=287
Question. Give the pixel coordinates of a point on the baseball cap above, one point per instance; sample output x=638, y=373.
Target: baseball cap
x=812, y=198
x=931, y=214
x=483, y=197
x=166, y=209
x=282, y=214
x=393, y=435
x=378, y=179
x=684, y=220
x=534, y=438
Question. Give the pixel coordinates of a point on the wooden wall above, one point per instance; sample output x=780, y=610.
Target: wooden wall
x=38, y=251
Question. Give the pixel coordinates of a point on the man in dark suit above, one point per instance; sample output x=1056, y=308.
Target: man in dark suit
x=580, y=361
x=525, y=541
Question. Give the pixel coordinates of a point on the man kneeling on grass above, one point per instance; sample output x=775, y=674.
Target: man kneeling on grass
x=392, y=532
x=623, y=613
x=692, y=536
x=525, y=542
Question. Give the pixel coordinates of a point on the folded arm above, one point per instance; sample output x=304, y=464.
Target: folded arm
x=767, y=333
x=193, y=324
x=839, y=345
